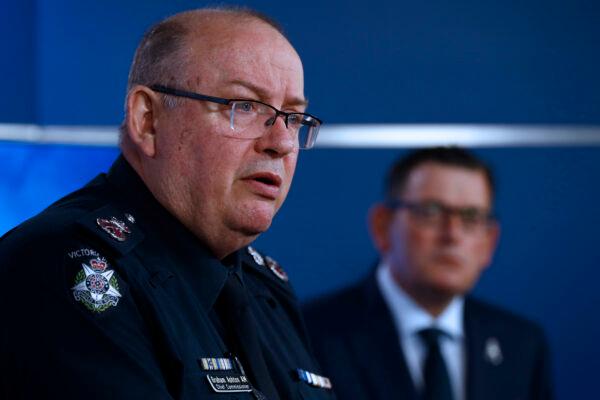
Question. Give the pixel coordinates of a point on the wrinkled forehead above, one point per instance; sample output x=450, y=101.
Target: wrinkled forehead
x=223, y=53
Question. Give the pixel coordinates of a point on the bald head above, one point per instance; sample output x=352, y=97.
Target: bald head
x=164, y=52
x=206, y=175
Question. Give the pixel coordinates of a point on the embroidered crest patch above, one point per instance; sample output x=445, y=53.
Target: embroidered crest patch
x=96, y=287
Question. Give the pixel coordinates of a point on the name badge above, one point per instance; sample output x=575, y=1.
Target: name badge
x=229, y=383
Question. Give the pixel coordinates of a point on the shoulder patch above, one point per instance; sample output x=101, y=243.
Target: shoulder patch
x=267, y=261
x=96, y=286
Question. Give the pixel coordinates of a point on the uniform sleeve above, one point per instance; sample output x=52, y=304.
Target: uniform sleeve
x=542, y=386
x=71, y=326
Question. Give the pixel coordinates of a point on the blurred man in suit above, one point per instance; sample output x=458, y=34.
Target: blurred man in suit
x=410, y=330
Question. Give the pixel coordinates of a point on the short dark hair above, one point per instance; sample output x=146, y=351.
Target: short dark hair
x=451, y=156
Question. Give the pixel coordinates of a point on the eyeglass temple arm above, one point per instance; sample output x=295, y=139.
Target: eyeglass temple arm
x=189, y=95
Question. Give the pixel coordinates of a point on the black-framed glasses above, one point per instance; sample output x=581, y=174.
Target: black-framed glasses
x=250, y=119
x=434, y=214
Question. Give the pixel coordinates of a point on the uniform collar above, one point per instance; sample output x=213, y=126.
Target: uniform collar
x=410, y=318
x=168, y=241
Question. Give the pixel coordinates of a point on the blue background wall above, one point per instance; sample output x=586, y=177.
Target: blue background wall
x=388, y=61
x=66, y=62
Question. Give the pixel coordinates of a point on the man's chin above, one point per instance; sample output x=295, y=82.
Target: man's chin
x=450, y=287
x=255, y=223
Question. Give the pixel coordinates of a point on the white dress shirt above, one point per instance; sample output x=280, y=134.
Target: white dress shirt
x=410, y=318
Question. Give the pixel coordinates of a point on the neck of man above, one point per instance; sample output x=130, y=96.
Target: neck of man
x=434, y=302
x=224, y=244
x=221, y=242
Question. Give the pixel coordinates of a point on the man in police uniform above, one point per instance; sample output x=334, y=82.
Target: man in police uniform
x=142, y=284
x=410, y=330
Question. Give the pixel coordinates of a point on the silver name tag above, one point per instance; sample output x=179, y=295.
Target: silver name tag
x=229, y=383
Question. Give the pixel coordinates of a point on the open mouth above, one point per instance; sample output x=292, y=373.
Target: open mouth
x=265, y=184
x=266, y=178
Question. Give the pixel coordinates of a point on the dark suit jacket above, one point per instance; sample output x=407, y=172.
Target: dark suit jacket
x=355, y=340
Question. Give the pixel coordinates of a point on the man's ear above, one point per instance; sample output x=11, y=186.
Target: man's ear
x=142, y=109
x=379, y=220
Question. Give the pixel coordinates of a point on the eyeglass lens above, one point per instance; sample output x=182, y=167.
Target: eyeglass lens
x=250, y=119
x=434, y=213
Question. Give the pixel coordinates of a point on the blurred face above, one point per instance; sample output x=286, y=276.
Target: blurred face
x=439, y=256
x=227, y=190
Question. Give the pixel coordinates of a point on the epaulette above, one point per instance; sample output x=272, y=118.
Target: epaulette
x=267, y=263
x=114, y=227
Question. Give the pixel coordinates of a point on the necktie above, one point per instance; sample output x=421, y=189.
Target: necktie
x=435, y=374
x=233, y=308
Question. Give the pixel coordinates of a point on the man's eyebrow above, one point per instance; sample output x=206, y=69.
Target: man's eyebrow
x=296, y=101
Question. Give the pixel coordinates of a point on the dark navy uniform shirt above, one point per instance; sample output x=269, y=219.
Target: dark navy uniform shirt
x=106, y=295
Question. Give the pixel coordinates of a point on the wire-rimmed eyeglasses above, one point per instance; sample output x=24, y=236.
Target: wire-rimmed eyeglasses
x=250, y=119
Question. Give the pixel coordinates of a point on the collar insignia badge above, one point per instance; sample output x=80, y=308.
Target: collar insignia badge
x=276, y=269
x=96, y=287
x=269, y=262
x=314, y=379
x=493, y=353
x=116, y=228
x=130, y=218
x=256, y=256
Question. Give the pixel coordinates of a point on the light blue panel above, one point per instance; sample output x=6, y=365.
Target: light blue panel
x=32, y=177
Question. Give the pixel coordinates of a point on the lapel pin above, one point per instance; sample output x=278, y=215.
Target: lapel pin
x=493, y=353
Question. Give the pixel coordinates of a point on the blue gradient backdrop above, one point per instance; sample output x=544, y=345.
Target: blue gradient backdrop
x=66, y=62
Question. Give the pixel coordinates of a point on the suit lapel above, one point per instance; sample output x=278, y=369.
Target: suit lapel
x=481, y=371
x=377, y=347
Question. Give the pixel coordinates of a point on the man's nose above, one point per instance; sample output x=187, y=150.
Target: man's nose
x=452, y=226
x=277, y=139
